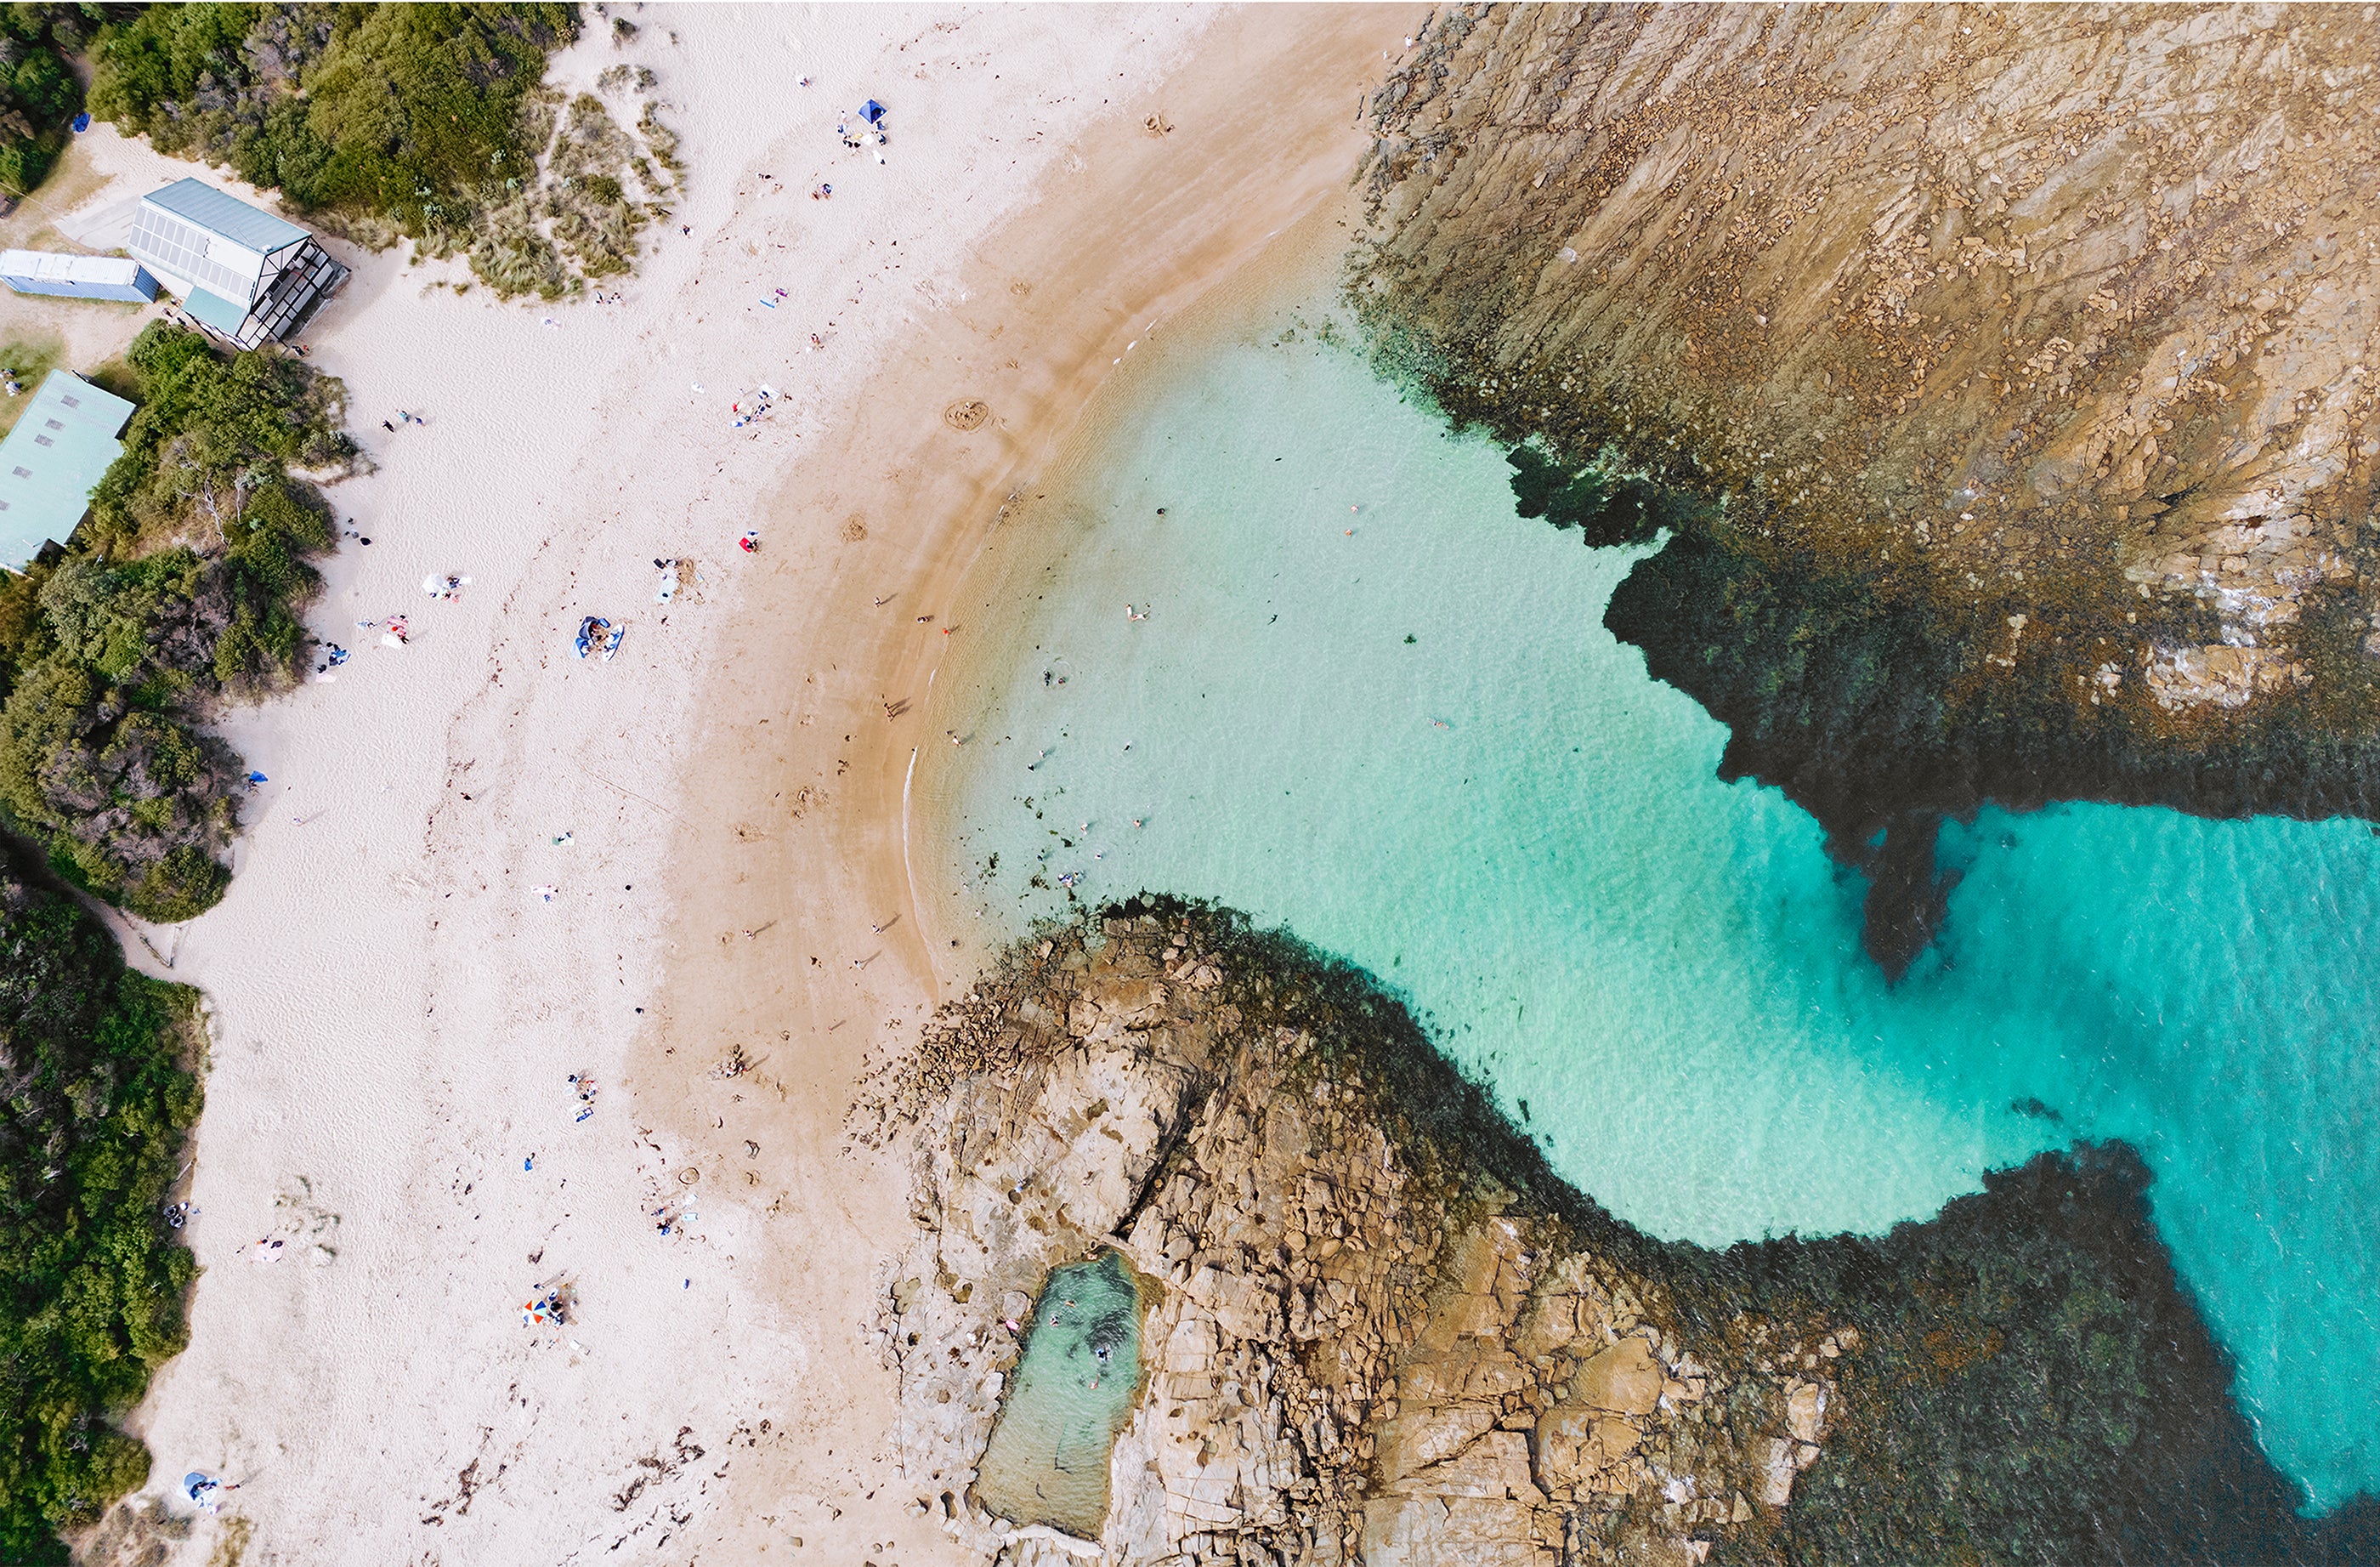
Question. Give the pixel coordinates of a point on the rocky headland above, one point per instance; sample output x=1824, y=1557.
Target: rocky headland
x=2004, y=375
x=1376, y=1326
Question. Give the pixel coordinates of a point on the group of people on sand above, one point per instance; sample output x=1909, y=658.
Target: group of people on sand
x=761, y=404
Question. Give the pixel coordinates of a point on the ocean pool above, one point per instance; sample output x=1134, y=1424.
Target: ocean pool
x=1356, y=696
x=1068, y=1400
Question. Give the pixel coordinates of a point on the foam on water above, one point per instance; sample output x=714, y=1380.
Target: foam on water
x=1416, y=746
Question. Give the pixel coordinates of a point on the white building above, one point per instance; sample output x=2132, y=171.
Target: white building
x=77, y=277
x=60, y=450
x=242, y=274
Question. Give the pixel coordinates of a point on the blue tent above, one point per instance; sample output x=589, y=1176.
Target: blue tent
x=872, y=111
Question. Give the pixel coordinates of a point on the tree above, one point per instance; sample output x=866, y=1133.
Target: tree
x=181, y=592
x=95, y=1104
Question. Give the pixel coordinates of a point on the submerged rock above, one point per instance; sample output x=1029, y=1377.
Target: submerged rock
x=2005, y=375
x=1381, y=1330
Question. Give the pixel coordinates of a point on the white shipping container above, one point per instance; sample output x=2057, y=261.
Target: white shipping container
x=78, y=277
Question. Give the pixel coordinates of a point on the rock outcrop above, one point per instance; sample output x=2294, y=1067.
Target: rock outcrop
x=2020, y=361
x=1382, y=1331
x=1363, y=1352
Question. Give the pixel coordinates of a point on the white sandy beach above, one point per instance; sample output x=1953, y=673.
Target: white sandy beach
x=397, y=1010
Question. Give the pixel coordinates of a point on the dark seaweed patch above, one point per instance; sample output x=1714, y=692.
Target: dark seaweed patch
x=1607, y=507
x=1862, y=707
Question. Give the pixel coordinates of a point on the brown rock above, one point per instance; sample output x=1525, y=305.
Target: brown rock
x=1402, y=1383
x=1575, y=1446
x=1495, y=1465
x=1777, y=1470
x=1461, y=1532
x=1418, y=1437
x=1624, y=1378
x=2020, y=331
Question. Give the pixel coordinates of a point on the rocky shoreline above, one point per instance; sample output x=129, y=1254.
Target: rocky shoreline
x=1382, y=1330
x=2009, y=369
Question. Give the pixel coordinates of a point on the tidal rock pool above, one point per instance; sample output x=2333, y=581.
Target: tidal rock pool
x=1070, y=1395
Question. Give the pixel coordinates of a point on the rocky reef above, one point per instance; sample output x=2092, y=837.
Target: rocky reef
x=2006, y=370
x=1378, y=1328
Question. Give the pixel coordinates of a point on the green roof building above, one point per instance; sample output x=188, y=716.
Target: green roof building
x=53, y=460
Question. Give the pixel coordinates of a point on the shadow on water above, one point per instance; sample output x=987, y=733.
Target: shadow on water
x=1071, y=1394
x=2034, y=1383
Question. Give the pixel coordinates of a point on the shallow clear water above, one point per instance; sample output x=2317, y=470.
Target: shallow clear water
x=1415, y=746
x=1072, y=1391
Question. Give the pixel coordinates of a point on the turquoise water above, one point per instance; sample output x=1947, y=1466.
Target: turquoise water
x=1073, y=1389
x=1414, y=745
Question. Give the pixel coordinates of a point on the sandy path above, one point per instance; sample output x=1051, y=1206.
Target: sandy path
x=397, y=1011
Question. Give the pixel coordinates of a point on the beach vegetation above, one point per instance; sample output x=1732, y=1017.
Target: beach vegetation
x=180, y=593
x=96, y=1096
x=625, y=79
x=428, y=123
x=39, y=91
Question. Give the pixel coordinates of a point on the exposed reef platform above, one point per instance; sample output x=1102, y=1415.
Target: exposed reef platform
x=1380, y=1329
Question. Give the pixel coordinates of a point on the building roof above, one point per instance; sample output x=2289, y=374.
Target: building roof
x=227, y=215
x=62, y=447
x=226, y=316
x=196, y=233
x=49, y=266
